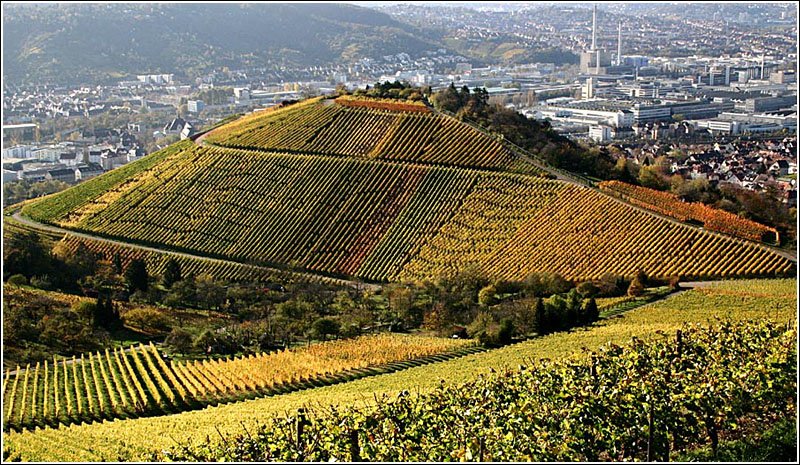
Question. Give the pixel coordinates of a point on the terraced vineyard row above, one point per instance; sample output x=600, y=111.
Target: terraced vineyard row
x=588, y=234
x=321, y=214
x=88, y=192
x=670, y=205
x=117, y=384
x=386, y=131
x=488, y=217
x=156, y=261
x=139, y=382
x=383, y=221
x=210, y=380
x=419, y=221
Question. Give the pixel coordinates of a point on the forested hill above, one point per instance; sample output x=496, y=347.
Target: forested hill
x=99, y=42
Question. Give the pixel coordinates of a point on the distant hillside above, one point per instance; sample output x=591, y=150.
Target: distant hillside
x=383, y=191
x=83, y=43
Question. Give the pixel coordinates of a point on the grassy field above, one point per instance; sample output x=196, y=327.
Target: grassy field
x=133, y=439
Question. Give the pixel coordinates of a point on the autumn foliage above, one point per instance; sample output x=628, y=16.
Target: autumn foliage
x=670, y=205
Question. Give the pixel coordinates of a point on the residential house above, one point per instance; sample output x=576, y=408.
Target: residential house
x=187, y=131
x=84, y=172
x=135, y=153
x=37, y=175
x=61, y=174
x=780, y=168
x=174, y=127
x=69, y=159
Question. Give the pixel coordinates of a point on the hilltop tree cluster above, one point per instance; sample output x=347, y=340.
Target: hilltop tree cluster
x=395, y=90
x=532, y=135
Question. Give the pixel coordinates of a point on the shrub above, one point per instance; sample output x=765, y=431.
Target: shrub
x=179, y=340
x=18, y=280
x=488, y=295
x=506, y=331
x=485, y=329
x=611, y=285
x=42, y=282
x=546, y=284
x=324, y=327
x=85, y=309
x=588, y=289
x=148, y=320
x=636, y=288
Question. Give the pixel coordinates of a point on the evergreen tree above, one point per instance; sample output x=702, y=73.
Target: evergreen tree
x=172, y=273
x=573, y=311
x=539, y=316
x=117, y=261
x=591, y=312
x=136, y=277
x=106, y=314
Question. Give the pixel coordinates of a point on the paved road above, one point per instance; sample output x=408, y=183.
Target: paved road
x=55, y=229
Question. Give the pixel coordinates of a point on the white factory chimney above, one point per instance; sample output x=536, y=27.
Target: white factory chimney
x=619, y=44
x=594, y=39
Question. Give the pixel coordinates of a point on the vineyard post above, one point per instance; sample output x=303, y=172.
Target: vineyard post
x=667, y=434
x=355, y=449
x=300, y=424
x=650, y=432
x=481, y=448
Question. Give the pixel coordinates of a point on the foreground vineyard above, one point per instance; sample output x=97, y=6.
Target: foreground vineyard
x=139, y=382
x=639, y=402
x=381, y=220
x=773, y=300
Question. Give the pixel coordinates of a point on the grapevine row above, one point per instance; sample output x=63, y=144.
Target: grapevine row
x=582, y=234
x=139, y=382
x=669, y=204
x=382, y=104
x=358, y=127
x=642, y=401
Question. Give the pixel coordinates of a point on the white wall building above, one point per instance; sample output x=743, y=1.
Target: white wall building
x=18, y=151
x=600, y=133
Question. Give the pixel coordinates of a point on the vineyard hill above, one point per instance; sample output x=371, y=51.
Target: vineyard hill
x=382, y=190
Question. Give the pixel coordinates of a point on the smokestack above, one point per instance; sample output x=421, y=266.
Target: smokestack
x=597, y=69
x=619, y=44
x=594, y=28
x=762, y=66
